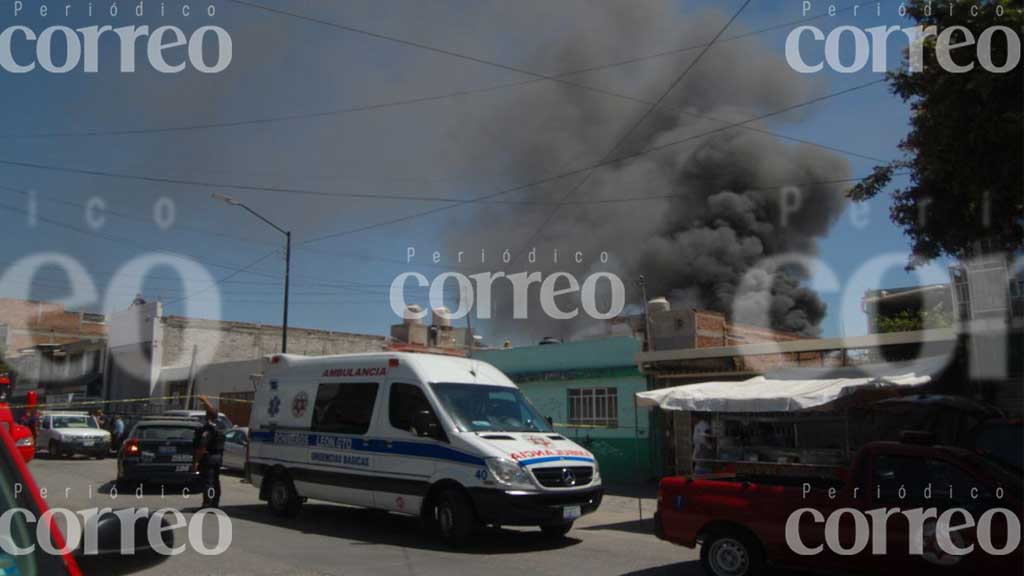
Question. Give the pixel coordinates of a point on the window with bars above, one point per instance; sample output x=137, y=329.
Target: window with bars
x=594, y=407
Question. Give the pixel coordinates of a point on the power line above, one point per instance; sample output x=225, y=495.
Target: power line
x=104, y=210
x=131, y=242
x=300, y=277
x=816, y=100
x=748, y=188
x=232, y=299
x=625, y=137
x=362, y=195
x=218, y=185
x=609, y=162
x=416, y=100
x=426, y=47
x=539, y=78
x=225, y=278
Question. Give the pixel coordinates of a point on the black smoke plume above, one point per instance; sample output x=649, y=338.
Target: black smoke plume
x=709, y=210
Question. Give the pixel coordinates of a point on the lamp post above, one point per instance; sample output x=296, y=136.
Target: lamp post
x=287, y=259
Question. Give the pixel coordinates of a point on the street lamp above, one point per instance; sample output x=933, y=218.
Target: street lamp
x=287, y=259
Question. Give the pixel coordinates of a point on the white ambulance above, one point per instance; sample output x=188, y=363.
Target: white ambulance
x=449, y=439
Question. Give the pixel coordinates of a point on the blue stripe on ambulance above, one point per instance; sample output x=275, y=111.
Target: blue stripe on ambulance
x=378, y=446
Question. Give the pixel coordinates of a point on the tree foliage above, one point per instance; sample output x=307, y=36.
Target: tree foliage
x=963, y=154
x=910, y=321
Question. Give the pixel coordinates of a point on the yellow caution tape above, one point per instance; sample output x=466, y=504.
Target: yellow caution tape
x=125, y=401
x=66, y=405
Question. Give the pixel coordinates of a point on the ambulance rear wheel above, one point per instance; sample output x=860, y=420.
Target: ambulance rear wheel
x=284, y=501
x=556, y=530
x=455, y=519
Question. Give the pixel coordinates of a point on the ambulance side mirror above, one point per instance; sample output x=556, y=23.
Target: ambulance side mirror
x=427, y=425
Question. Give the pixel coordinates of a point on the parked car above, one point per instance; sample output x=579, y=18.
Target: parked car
x=25, y=534
x=741, y=524
x=236, y=448
x=223, y=422
x=70, y=433
x=1000, y=439
x=158, y=450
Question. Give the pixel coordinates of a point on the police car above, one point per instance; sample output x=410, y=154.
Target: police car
x=449, y=439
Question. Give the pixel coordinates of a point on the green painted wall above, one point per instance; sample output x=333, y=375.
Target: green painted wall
x=547, y=373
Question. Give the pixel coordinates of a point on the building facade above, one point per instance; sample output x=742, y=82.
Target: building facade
x=25, y=324
x=172, y=358
x=587, y=389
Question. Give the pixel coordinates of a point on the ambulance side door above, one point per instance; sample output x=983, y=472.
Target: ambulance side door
x=404, y=460
x=342, y=467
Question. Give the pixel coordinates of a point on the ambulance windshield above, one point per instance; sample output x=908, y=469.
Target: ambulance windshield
x=482, y=408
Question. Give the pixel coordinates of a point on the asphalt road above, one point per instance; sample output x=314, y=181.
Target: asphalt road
x=328, y=539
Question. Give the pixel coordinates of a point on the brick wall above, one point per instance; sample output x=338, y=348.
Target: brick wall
x=226, y=341
x=712, y=329
x=30, y=323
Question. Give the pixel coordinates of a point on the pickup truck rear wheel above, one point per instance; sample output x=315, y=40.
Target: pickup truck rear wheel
x=731, y=553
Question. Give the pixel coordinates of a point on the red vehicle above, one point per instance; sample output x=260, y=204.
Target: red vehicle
x=744, y=523
x=19, y=490
x=24, y=440
x=14, y=472
x=22, y=435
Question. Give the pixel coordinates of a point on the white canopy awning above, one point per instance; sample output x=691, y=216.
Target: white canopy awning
x=789, y=390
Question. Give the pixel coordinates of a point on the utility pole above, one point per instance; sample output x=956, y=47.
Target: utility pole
x=287, y=274
x=287, y=259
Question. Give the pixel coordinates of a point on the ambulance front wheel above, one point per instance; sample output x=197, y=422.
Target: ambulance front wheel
x=284, y=500
x=455, y=520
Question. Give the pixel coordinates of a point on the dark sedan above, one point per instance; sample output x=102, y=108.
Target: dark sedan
x=158, y=451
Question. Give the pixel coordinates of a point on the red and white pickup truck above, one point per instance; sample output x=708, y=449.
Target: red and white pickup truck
x=902, y=508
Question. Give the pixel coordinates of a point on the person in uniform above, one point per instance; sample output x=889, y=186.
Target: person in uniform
x=207, y=454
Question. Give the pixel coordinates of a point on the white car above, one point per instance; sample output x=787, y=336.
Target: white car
x=223, y=422
x=236, y=442
x=69, y=433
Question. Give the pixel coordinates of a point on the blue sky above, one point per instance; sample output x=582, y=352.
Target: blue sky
x=283, y=66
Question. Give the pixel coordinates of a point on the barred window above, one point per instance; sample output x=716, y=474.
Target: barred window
x=594, y=407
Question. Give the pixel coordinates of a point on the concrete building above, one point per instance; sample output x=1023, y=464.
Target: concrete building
x=910, y=308
x=440, y=337
x=60, y=373
x=25, y=324
x=231, y=385
x=586, y=387
x=156, y=356
x=693, y=328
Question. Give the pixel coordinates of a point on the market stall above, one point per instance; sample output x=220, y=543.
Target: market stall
x=795, y=421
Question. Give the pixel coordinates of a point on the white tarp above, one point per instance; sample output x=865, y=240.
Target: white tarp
x=791, y=390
